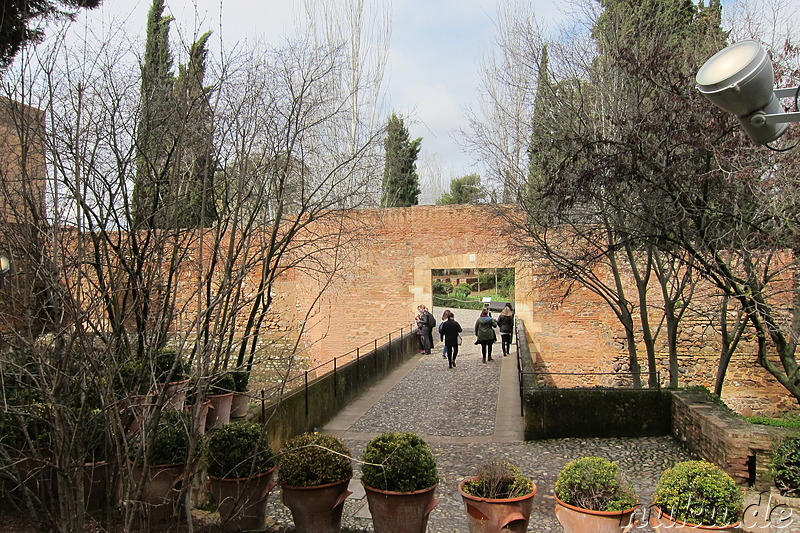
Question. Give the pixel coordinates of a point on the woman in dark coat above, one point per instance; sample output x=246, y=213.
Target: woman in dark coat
x=505, y=322
x=450, y=330
x=484, y=331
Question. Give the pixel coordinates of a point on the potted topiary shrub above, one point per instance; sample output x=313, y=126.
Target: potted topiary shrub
x=159, y=463
x=314, y=471
x=593, y=497
x=399, y=475
x=171, y=377
x=240, y=466
x=241, y=399
x=498, y=498
x=696, y=496
x=220, y=393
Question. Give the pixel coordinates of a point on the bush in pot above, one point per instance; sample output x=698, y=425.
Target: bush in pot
x=400, y=478
x=241, y=379
x=240, y=464
x=159, y=463
x=592, y=495
x=785, y=466
x=498, y=497
x=696, y=495
x=220, y=392
x=314, y=471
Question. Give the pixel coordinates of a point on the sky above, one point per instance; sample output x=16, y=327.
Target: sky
x=432, y=74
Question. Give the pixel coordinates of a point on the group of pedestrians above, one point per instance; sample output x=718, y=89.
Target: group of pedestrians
x=450, y=332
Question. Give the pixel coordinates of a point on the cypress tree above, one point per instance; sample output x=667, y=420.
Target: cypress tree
x=153, y=146
x=400, y=179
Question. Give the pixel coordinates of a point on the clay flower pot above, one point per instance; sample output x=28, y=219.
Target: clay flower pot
x=488, y=515
x=316, y=509
x=239, y=404
x=242, y=502
x=660, y=520
x=219, y=413
x=401, y=512
x=160, y=489
x=579, y=520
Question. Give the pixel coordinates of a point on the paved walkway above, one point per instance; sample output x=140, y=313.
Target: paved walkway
x=468, y=415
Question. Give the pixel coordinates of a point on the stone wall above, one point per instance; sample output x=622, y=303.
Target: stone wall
x=715, y=434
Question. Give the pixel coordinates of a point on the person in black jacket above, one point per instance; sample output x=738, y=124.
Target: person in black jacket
x=450, y=330
x=425, y=323
x=505, y=322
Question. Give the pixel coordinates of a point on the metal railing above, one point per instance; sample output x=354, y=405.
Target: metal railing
x=301, y=380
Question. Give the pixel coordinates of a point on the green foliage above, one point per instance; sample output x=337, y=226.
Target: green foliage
x=164, y=362
x=505, y=283
x=785, y=466
x=222, y=384
x=596, y=484
x=239, y=450
x=400, y=180
x=792, y=422
x=171, y=443
x=241, y=378
x=499, y=480
x=398, y=462
x=95, y=434
x=309, y=460
x=463, y=289
x=699, y=492
x=23, y=423
x=464, y=190
x=442, y=287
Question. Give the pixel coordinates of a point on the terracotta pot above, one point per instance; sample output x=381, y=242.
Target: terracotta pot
x=580, y=520
x=316, y=509
x=487, y=515
x=175, y=393
x=242, y=503
x=239, y=404
x=160, y=489
x=134, y=411
x=401, y=512
x=219, y=413
x=660, y=519
x=201, y=423
x=101, y=491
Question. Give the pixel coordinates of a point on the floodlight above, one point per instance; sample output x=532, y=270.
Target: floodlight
x=739, y=79
x=5, y=266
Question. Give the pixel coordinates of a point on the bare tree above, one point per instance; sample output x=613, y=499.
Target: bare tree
x=95, y=305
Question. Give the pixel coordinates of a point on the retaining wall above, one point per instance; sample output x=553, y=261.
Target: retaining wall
x=313, y=405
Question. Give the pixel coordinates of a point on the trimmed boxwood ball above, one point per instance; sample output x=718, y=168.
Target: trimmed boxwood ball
x=310, y=460
x=238, y=450
x=596, y=484
x=171, y=443
x=785, y=466
x=498, y=480
x=699, y=492
x=398, y=462
x=222, y=384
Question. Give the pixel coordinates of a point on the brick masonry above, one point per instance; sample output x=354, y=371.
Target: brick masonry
x=389, y=273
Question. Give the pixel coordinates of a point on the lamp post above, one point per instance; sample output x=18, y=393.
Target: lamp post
x=740, y=80
x=5, y=266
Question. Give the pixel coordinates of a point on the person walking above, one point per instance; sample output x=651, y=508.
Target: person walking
x=505, y=322
x=425, y=324
x=450, y=330
x=441, y=335
x=484, y=331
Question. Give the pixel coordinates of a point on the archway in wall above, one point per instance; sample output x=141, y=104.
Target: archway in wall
x=523, y=297
x=472, y=288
